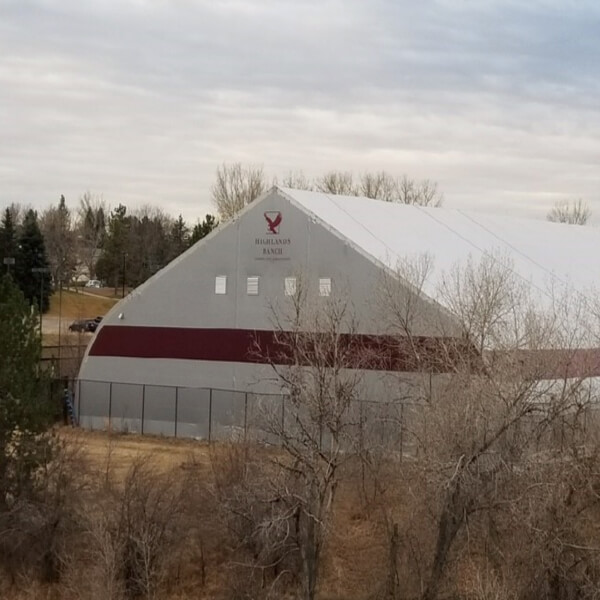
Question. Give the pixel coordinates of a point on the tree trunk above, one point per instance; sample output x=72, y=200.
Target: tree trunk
x=451, y=520
x=310, y=558
x=393, y=581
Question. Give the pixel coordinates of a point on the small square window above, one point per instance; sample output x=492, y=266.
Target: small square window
x=325, y=286
x=252, y=286
x=221, y=284
x=290, y=286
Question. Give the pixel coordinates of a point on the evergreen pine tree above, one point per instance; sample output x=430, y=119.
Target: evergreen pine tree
x=24, y=406
x=110, y=265
x=203, y=229
x=33, y=256
x=8, y=242
x=178, y=238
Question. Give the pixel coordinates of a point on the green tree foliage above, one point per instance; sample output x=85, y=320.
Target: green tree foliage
x=179, y=238
x=8, y=239
x=26, y=245
x=137, y=245
x=24, y=411
x=33, y=256
x=110, y=264
x=148, y=246
x=203, y=229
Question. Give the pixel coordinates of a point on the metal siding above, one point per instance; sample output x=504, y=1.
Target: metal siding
x=193, y=413
x=183, y=295
x=159, y=410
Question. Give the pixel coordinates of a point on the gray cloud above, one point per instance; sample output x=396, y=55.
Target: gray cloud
x=141, y=100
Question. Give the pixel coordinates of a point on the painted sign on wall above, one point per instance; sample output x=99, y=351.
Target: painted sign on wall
x=272, y=245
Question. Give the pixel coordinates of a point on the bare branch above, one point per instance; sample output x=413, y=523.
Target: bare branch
x=574, y=212
x=235, y=187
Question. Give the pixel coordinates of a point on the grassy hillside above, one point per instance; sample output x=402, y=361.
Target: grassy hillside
x=78, y=305
x=73, y=306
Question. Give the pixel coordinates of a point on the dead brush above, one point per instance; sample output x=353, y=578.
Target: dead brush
x=132, y=537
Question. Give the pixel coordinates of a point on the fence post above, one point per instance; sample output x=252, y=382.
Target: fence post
x=245, y=415
x=209, y=414
x=282, y=415
x=401, y=431
x=362, y=443
x=176, y=407
x=110, y=406
x=79, y=402
x=143, y=405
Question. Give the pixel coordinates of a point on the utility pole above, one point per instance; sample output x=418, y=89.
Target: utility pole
x=59, y=319
x=123, y=287
x=41, y=271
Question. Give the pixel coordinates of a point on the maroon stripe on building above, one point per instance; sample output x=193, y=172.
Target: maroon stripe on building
x=548, y=363
x=358, y=351
x=265, y=347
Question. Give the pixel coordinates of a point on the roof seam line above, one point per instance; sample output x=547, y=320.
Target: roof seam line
x=330, y=198
x=484, y=252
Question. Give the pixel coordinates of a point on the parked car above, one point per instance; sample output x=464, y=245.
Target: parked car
x=93, y=283
x=93, y=323
x=79, y=325
x=85, y=324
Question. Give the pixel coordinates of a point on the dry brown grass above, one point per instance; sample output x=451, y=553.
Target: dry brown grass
x=67, y=339
x=356, y=554
x=79, y=305
x=73, y=306
x=206, y=557
x=122, y=449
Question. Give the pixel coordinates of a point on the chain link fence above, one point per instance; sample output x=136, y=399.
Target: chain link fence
x=211, y=414
x=227, y=415
x=62, y=361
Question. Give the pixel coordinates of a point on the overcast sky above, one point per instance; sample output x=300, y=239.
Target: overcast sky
x=141, y=100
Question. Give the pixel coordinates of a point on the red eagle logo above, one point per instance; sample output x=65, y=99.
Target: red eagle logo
x=274, y=219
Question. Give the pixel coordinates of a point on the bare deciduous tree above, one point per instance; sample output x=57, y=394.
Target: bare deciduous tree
x=135, y=531
x=91, y=230
x=575, y=212
x=424, y=193
x=235, y=187
x=60, y=239
x=37, y=525
x=316, y=426
x=296, y=180
x=337, y=182
x=379, y=186
x=261, y=521
x=500, y=394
